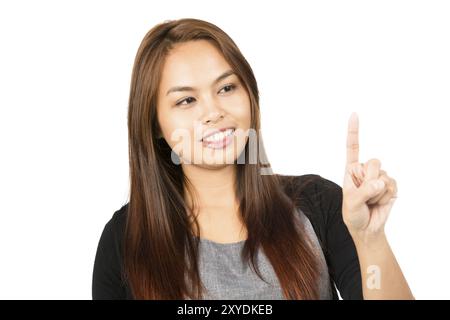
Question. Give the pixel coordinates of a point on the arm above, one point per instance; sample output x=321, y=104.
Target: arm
x=382, y=277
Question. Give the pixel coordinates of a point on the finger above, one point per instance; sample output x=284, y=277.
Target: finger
x=368, y=190
x=372, y=169
x=385, y=178
x=361, y=171
x=385, y=192
x=353, y=139
x=391, y=192
x=355, y=173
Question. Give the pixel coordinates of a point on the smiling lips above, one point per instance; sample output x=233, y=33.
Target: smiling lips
x=218, y=139
x=211, y=132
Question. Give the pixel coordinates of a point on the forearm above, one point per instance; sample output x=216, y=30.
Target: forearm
x=382, y=277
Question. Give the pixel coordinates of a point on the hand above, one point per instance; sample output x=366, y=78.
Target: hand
x=365, y=207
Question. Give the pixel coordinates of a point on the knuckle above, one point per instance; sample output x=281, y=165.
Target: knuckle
x=353, y=146
x=375, y=161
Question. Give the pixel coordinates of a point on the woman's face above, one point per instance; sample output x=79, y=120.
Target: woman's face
x=198, y=95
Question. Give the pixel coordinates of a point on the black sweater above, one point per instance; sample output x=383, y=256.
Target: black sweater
x=319, y=199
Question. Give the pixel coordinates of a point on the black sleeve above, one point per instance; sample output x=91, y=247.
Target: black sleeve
x=341, y=253
x=107, y=281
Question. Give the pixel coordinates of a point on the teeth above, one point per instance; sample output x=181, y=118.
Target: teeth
x=219, y=136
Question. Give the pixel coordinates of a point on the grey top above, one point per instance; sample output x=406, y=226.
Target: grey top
x=226, y=277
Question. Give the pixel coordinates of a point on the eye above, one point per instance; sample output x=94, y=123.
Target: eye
x=229, y=87
x=186, y=99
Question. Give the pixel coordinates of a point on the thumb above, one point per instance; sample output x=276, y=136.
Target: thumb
x=370, y=189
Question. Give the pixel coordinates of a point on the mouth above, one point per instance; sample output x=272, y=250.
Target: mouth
x=219, y=139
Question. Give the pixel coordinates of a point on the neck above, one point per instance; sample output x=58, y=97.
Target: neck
x=217, y=207
x=214, y=187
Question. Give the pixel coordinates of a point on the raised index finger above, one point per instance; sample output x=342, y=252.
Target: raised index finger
x=353, y=139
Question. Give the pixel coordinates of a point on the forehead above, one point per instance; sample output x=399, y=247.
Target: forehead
x=193, y=63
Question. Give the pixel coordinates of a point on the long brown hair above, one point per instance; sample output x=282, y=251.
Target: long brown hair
x=160, y=252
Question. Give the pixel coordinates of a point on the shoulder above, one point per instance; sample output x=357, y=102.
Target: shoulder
x=312, y=190
x=118, y=219
x=107, y=282
x=307, y=182
x=111, y=238
x=320, y=199
x=114, y=227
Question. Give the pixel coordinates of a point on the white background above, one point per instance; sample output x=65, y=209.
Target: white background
x=65, y=69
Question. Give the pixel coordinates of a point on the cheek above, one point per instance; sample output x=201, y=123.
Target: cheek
x=240, y=110
x=174, y=125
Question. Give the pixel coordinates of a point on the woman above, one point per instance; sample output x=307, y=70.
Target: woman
x=206, y=218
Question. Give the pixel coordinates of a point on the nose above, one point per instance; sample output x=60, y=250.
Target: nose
x=213, y=117
x=213, y=113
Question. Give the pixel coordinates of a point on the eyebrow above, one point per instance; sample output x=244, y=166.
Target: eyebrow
x=184, y=88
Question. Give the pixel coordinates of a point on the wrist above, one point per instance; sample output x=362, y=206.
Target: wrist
x=367, y=239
